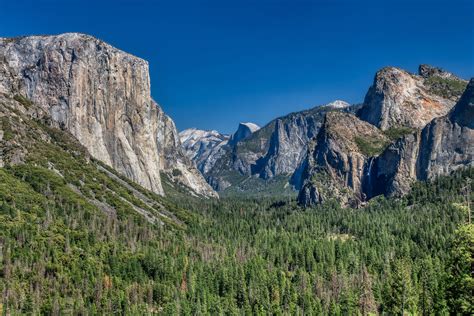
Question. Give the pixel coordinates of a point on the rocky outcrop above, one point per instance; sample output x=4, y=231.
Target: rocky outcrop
x=336, y=166
x=290, y=138
x=101, y=95
x=398, y=98
x=203, y=147
x=444, y=145
x=243, y=131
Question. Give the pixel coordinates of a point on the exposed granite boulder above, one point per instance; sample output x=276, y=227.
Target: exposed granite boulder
x=398, y=98
x=101, y=95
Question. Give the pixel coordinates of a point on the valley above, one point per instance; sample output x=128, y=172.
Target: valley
x=336, y=210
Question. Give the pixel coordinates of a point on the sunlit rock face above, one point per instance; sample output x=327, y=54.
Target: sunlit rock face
x=101, y=95
x=243, y=131
x=442, y=146
x=273, y=150
x=399, y=98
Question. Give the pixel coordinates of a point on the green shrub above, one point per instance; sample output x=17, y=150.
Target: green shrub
x=371, y=147
x=7, y=129
x=445, y=87
x=395, y=133
x=23, y=100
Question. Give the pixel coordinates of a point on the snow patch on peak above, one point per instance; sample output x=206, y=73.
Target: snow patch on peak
x=194, y=134
x=338, y=104
x=203, y=147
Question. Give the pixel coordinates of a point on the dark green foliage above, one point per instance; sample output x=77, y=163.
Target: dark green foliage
x=373, y=147
x=236, y=256
x=445, y=87
x=6, y=128
x=395, y=133
x=176, y=173
x=251, y=186
x=23, y=100
x=461, y=278
x=370, y=146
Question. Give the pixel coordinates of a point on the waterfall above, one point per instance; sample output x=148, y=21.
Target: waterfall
x=371, y=160
x=368, y=186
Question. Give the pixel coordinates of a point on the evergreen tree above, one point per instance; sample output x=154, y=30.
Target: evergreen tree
x=461, y=276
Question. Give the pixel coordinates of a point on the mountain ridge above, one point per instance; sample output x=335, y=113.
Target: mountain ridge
x=398, y=104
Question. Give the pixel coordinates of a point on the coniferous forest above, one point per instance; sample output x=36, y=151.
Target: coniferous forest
x=61, y=254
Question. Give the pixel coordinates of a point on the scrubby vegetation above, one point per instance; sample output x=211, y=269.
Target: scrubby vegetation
x=395, y=133
x=446, y=87
x=370, y=146
x=375, y=146
x=6, y=128
x=252, y=186
x=23, y=100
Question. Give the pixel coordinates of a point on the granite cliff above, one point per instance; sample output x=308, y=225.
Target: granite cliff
x=442, y=146
x=335, y=166
x=101, y=95
x=398, y=98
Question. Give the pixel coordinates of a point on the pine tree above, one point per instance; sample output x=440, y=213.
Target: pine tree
x=461, y=277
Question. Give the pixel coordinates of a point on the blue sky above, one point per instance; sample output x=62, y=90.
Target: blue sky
x=215, y=63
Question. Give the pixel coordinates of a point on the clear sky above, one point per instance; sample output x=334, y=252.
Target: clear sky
x=215, y=63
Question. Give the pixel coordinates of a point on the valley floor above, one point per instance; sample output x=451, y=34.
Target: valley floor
x=61, y=255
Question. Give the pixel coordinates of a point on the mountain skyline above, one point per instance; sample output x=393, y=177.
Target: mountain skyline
x=210, y=74
x=340, y=209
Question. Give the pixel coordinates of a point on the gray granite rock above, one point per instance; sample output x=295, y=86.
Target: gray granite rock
x=398, y=98
x=102, y=96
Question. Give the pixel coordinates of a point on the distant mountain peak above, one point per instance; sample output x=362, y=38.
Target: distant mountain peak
x=244, y=130
x=197, y=134
x=338, y=104
x=252, y=126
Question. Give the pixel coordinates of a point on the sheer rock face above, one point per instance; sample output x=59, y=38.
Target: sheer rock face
x=102, y=96
x=398, y=98
x=336, y=165
x=243, y=131
x=442, y=146
x=289, y=141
